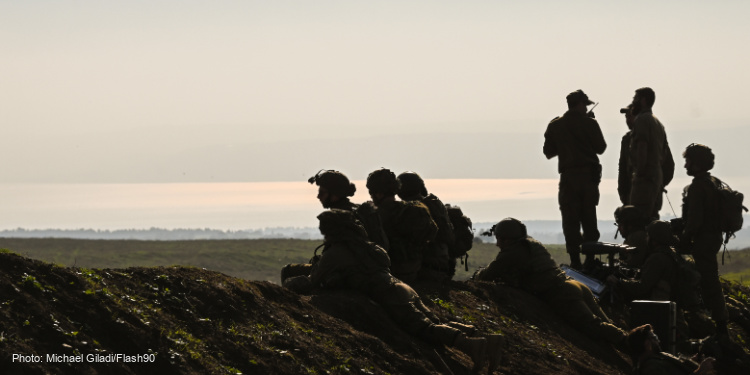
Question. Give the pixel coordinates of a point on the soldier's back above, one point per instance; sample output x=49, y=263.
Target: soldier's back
x=576, y=140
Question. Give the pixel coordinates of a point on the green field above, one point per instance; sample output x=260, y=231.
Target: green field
x=248, y=259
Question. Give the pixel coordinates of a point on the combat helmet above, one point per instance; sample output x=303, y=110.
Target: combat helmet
x=660, y=233
x=335, y=182
x=510, y=228
x=700, y=155
x=383, y=181
x=337, y=223
x=411, y=185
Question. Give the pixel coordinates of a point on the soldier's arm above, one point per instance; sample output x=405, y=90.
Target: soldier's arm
x=550, y=148
x=597, y=138
x=500, y=269
x=623, y=171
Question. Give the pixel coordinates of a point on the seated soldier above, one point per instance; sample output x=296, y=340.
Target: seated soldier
x=350, y=261
x=407, y=225
x=437, y=264
x=659, y=271
x=525, y=263
x=631, y=225
x=648, y=359
x=334, y=190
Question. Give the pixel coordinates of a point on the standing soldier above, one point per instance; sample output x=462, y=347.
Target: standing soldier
x=407, y=224
x=702, y=234
x=649, y=156
x=576, y=139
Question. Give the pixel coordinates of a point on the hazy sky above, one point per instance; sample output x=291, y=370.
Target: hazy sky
x=194, y=91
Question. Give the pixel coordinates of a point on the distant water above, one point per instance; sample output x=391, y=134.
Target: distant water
x=238, y=206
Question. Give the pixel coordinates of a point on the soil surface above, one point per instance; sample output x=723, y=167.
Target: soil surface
x=181, y=320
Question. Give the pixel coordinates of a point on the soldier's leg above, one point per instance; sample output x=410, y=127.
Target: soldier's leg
x=570, y=210
x=401, y=303
x=705, y=249
x=658, y=204
x=643, y=195
x=590, y=301
x=295, y=269
x=588, y=213
x=575, y=306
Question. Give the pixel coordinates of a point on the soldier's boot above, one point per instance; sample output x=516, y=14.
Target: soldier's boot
x=495, y=347
x=475, y=348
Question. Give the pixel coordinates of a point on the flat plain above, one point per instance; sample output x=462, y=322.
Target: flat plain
x=258, y=259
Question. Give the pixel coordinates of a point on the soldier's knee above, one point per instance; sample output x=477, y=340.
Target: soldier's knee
x=295, y=269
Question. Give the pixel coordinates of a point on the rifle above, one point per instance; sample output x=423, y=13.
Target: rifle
x=600, y=248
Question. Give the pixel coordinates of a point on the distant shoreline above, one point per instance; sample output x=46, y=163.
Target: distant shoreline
x=546, y=231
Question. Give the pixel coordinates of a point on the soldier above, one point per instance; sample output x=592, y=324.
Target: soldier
x=632, y=226
x=660, y=276
x=649, y=156
x=437, y=264
x=648, y=359
x=701, y=235
x=407, y=225
x=576, y=139
x=659, y=271
x=334, y=190
x=525, y=263
x=350, y=261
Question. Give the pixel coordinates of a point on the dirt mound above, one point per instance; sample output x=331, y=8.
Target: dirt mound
x=178, y=320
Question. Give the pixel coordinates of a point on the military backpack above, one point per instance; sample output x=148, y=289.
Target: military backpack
x=730, y=210
x=367, y=214
x=463, y=233
x=439, y=214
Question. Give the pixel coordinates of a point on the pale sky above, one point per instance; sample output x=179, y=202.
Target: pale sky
x=241, y=91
